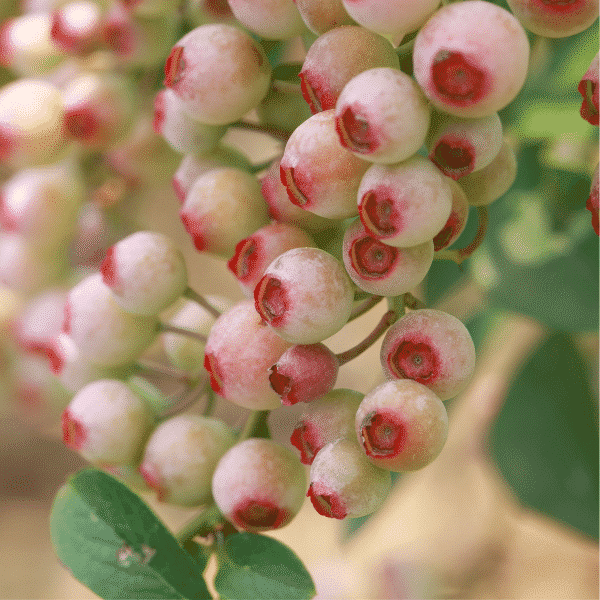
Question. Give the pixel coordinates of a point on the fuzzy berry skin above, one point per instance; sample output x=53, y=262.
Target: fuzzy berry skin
x=393, y=18
x=270, y=19
x=305, y=296
x=463, y=72
x=191, y=167
x=223, y=207
x=555, y=18
x=282, y=209
x=184, y=352
x=588, y=88
x=76, y=27
x=404, y=204
x=380, y=269
x=259, y=485
x=238, y=353
x=27, y=268
x=460, y=146
x=104, y=333
x=145, y=271
x=183, y=133
x=488, y=184
x=26, y=45
x=344, y=483
x=303, y=373
x=457, y=220
x=42, y=203
x=218, y=72
x=181, y=455
x=99, y=109
x=320, y=175
x=39, y=321
x=592, y=202
x=401, y=425
x=325, y=420
x=107, y=423
x=255, y=253
x=382, y=115
x=320, y=16
x=431, y=347
x=32, y=119
x=328, y=66
x=72, y=370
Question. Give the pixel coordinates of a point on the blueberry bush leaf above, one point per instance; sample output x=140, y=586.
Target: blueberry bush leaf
x=253, y=567
x=113, y=543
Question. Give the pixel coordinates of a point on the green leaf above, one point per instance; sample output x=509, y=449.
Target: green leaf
x=114, y=544
x=545, y=439
x=257, y=567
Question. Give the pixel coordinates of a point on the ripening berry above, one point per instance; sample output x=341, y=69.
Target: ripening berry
x=259, y=485
x=304, y=372
x=592, y=202
x=104, y=333
x=588, y=88
x=487, y=185
x=77, y=26
x=393, y=18
x=321, y=16
x=32, y=128
x=404, y=204
x=107, y=423
x=191, y=167
x=282, y=209
x=72, y=370
x=382, y=115
x=320, y=175
x=99, y=108
x=555, y=18
x=181, y=455
x=185, y=352
x=219, y=73
x=432, y=348
x=238, y=353
x=380, y=269
x=145, y=271
x=305, y=295
x=223, y=206
x=460, y=146
x=329, y=65
x=401, y=425
x=152, y=7
x=183, y=133
x=138, y=41
x=26, y=45
x=457, y=220
x=255, y=253
x=471, y=58
x=325, y=420
x=344, y=483
x=270, y=19
x=42, y=203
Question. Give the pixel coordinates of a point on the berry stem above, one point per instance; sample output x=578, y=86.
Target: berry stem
x=156, y=368
x=185, y=402
x=364, y=307
x=257, y=420
x=413, y=303
x=201, y=525
x=211, y=402
x=274, y=132
x=190, y=294
x=254, y=169
x=165, y=328
x=386, y=320
x=461, y=254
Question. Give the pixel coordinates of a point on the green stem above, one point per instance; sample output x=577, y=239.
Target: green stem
x=364, y=307
x=275, y=132
x=166, y=328
x=190, y=294
x=253, y=422
x=210, y=402
x=461, y=254
x=202, y=524
x=149, y=366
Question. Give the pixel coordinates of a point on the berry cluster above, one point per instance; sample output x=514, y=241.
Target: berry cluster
x=389, y=134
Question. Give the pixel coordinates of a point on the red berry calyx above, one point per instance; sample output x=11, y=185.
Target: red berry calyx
x=383, y=434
